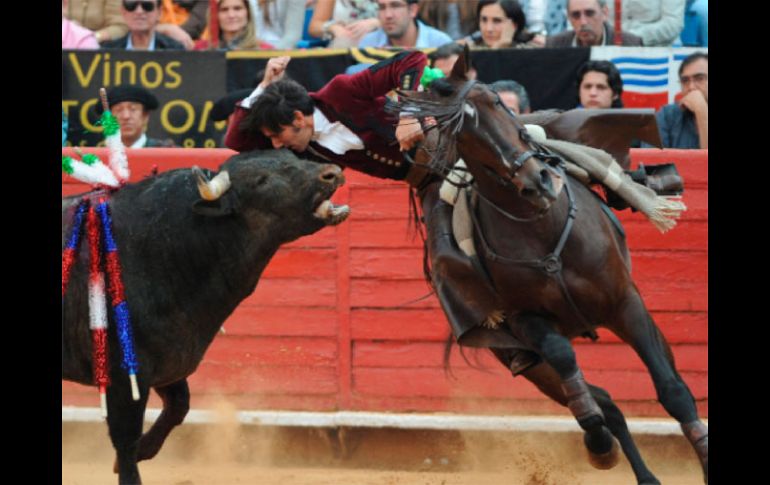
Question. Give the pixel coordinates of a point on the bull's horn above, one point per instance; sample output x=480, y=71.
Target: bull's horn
x=214, y=188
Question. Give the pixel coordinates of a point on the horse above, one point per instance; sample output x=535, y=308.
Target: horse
x=558, y=264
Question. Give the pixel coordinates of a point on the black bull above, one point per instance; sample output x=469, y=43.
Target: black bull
x=187, y=264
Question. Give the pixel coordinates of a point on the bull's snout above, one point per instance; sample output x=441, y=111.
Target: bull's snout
x=332, y=174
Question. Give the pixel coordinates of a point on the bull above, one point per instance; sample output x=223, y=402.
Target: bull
x=191, y=249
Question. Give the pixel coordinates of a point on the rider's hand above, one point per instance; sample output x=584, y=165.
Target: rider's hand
x=274, y=70
x=409, y=133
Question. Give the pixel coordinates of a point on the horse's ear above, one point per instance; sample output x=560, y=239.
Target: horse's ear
x=463, y=64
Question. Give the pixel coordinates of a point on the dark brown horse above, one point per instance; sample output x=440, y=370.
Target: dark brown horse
x=557, y=263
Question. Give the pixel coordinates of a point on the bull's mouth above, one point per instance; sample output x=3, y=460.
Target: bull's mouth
x=330, y=213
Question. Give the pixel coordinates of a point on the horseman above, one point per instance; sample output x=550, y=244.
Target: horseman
x=346, y=123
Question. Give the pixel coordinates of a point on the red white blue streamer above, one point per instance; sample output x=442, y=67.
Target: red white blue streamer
x=97, y=309
x=70, y=249
x=119, y=305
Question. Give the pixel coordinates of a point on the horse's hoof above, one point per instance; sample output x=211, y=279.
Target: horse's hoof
x=608, y=460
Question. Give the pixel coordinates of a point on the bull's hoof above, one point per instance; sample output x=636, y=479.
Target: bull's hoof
x=605, y=461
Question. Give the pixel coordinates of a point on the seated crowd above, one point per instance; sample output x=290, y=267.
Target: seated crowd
x=444, y=24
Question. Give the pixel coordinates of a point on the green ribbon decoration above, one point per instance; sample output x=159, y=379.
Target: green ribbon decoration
x=110, y=124
x=430, y=74
x=90, y=159
x=66, y=164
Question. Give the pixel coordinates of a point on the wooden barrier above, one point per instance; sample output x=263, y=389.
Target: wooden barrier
x=334, y=325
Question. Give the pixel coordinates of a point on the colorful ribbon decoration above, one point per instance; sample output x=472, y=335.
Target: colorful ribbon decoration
x=97, y=310
x=117, y=295
x=70, y=250
x=430, y=74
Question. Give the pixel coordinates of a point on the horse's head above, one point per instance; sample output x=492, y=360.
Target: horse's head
x=493, y=143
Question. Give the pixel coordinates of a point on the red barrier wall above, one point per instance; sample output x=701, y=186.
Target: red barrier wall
x=330, y=326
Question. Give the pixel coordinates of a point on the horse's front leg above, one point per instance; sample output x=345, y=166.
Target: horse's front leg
x=124, y=419
x=557, y=351
x=635, y=326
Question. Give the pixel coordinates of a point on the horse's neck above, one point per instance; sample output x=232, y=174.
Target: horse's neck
x=532, y=238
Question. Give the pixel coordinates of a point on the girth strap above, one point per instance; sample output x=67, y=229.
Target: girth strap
x=551, y=264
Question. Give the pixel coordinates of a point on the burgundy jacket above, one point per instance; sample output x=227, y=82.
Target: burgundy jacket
x=357, y=101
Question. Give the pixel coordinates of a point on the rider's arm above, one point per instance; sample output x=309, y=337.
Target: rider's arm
x=235, y=138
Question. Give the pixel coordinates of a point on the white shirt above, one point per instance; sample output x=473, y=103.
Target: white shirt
x=331, y=135
x=140, y=142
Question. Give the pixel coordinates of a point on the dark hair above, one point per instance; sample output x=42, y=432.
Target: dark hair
x=613, y=78
x=513, y=11
x=692, y=58
x=511, y=86
x=445, y=52
x=276, y=105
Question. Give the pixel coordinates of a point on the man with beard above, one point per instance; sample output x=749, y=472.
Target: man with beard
x=400, y=28
x=590, y=27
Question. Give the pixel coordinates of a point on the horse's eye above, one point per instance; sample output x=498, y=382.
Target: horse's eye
x=469, y=109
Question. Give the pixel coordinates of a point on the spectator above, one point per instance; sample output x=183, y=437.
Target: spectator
x=684, y=124
x=131, y=105
x=555, y=21
x=600, y=85
x=501, y=24
x=279, y=22
x=74, y=36
x=400, y=27
x=657, y=22
x=444, y=58
x=236, y=28
x=455, y=17
x=343, y=22
x=183, y=20
x=590, y=27
x=142, y=18
x=696, y=23
x=102, y=17
x=513, y=95
x=535, y=12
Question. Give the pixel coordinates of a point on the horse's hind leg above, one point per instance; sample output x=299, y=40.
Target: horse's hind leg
x=124, y=419
x=548, y=381
x=636, y=327
x=176, y=404
x=557, y=351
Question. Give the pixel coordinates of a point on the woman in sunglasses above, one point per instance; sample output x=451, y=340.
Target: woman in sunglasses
x=237, y=29
x=142, y=17
x=501, y=24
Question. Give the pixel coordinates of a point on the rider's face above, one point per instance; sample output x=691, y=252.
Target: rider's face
x=295, y=136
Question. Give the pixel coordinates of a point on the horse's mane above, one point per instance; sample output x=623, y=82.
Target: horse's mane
x=449, y=114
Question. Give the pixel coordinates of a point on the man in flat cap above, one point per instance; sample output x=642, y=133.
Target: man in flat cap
x=131, y=106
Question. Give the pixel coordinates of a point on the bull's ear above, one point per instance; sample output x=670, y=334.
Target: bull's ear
x=223, y=206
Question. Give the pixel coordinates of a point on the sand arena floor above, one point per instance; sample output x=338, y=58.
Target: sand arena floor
x=232, y=454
